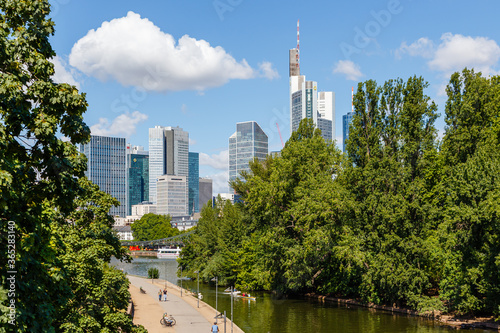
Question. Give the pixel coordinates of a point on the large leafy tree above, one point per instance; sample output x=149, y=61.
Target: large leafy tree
x=38, y=190
x=470, y=150
x=391, y=149
x=35, y=165
x=152, y=226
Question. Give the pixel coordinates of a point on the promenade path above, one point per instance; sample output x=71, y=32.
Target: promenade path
x=189, y=318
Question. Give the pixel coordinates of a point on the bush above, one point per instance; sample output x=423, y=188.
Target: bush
x=153, y=273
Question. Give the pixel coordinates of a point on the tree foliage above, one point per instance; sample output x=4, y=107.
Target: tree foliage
x=152, y=226
x=63, y=280
x=399, y=218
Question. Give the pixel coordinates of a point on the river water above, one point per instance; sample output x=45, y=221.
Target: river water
x=270, y=314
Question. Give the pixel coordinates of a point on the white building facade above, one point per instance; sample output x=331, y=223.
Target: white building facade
x=172, y=195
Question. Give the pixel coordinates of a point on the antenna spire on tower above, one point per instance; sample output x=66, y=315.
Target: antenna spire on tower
x=298, y=46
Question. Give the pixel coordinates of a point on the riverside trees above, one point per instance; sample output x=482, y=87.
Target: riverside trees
x=60, y=255
x=400, y=218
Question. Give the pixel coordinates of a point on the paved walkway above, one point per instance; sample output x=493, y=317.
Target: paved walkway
x=189, y=318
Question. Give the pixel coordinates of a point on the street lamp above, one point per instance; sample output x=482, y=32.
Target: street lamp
x=181, y=281
x=216, y=311
x=198, y=289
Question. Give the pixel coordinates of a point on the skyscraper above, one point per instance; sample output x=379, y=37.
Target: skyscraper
x=138, y=175
x=107, y=168
x=307, y=102
x=194, y=183
x=346, y=121
x=168, y=155
x=206, y=192
x=172, y=195
x=249, y=141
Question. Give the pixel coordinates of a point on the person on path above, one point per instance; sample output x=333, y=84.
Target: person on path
x=165, y=294
x=159, y=295
x=215, y=328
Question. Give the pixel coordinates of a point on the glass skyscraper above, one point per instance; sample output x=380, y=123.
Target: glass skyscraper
x=168, y=155
x=249, y=141
x=138, y=176
x=346, y=121
x=194, y=183
x=107, y=168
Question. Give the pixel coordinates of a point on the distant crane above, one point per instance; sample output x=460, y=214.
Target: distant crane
x=279, y=132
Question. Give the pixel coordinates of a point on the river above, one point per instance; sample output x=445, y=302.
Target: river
x=269, y=314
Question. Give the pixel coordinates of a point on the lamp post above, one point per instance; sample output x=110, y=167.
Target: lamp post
x=181, y=281
x=216, y=311
x=198, y=288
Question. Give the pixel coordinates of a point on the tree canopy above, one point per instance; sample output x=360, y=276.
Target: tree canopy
x=399, y=218
x=151, y=226
x=63, y=281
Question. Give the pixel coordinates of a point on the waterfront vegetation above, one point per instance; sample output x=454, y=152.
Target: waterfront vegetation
x=152, y=226
x=57, y=262
x=403, y=218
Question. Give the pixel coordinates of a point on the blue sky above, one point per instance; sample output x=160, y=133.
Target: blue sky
x=206, y=65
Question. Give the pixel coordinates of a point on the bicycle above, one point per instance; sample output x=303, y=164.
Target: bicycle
x=167, y=320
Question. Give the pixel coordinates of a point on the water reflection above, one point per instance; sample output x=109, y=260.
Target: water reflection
x=270, y=314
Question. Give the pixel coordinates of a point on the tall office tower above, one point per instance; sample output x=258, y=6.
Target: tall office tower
x=138, y=175
x=206, y=192
x=249, y=141
x=346, y=121
x=194, y=183
x=307, y=102
x=168, y=155
x=172, y=195
x=107, y=168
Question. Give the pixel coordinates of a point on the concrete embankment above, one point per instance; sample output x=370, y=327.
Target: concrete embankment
x=190, y=319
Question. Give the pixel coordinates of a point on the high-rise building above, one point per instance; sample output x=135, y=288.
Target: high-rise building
x=194, y=183
x=138, y=175
x=172, y=195
x=107, y=168
x=346, y=121
x=307, y=102
x=249, y=141
x=168, y=155
x=206, y=191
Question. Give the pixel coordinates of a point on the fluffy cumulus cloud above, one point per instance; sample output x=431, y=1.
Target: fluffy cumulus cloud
x=266, y=70
x=349, y=69
x=423, y=47
x=62, y=72
x=455, y=52
x=220, y=182
x=124, y=125
x=217, y=161
x=135, y=52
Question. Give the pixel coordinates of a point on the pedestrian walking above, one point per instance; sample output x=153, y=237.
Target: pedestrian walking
x=215, y=328
x=159, y=295
x=165, y=294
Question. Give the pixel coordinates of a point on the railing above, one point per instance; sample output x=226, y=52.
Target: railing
x=171, y=241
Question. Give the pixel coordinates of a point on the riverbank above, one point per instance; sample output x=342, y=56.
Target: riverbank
x=456, y=322
x=189, y=318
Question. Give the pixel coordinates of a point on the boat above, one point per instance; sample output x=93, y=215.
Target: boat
x=228, y=291
x=168, y=253
x=246, y=296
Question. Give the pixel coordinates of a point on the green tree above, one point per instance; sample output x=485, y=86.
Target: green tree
x=35, y=166
x=391, y=147
x=152, y=226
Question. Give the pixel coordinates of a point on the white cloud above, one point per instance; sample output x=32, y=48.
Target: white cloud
x=349, y=69
x=192, y=142
x=220, y=182
x=63, y=74
x=423, y=47
x=266, y=70
x=123, y=125
x=133, y=51
x=457, y=52
x=216, y=161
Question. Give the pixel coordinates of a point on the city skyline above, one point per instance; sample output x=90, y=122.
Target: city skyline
x=215, y=67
